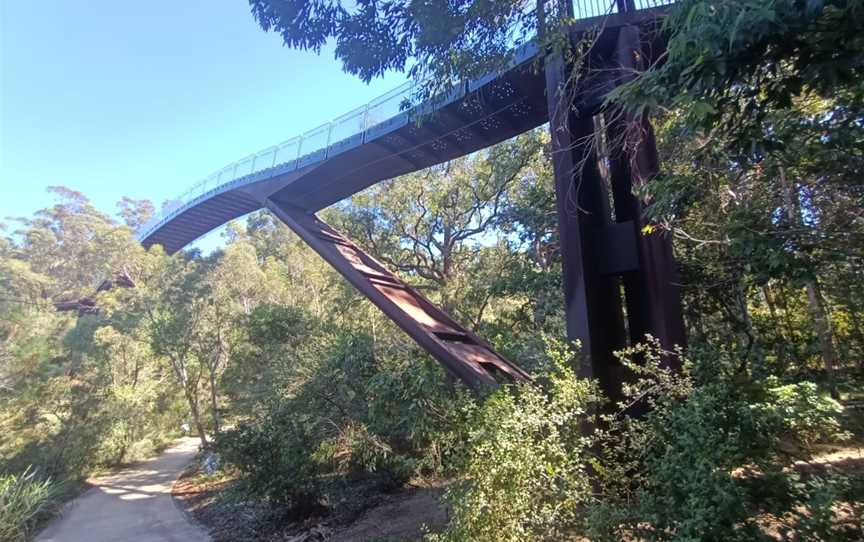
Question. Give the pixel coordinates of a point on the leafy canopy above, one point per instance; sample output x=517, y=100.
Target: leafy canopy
x=446, y=39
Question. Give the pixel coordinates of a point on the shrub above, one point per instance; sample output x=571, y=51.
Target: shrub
x=707, y=461
x=704, y=460
x=25, y=501
x=829, y=508
x=525, y=468
x=275, y=457
x=808, y=415
x=346, y=409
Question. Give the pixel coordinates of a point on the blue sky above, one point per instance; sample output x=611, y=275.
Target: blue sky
x=143, y=99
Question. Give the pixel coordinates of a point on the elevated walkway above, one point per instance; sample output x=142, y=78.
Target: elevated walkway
x=388, y=137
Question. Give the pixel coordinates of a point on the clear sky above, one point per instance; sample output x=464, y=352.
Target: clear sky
x=143, y=99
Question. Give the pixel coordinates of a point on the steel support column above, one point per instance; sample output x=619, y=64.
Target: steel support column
x=462, y=353
x=652, y=293
x=600, y=254
x=591, y=296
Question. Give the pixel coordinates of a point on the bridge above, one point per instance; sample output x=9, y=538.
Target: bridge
x=397, y=134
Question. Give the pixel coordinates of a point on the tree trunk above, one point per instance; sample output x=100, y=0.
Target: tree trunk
x=850, y=302
x=746, y=323
x=823, y=329
x=772, y=309
x=196, y=418
x=214, y=403
x=815, y=302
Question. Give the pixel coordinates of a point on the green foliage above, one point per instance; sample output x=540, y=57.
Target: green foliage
x=264, y=337
x=808, y=414
x=344, y=408
x=25, y=501
x=525, y=466
x=450, y=40
x=705, y=463
x=732, y=62
x=758, y=113
x=707, y=460
x=441, y=226
x=76, y=394
x=274, y=457
x=821, y=498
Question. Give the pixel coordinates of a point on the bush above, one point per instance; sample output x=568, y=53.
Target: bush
x=525, y=469
x=708, y=461
x=275, y=457
x=344, y=410
x=25, y=501
x=808, y=415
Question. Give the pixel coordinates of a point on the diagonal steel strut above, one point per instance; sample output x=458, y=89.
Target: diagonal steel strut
x=462, y=353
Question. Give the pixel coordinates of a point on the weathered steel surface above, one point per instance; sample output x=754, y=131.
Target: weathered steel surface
x=603, y=252
x=591, y=298
x=653, y=296
x=462, y=353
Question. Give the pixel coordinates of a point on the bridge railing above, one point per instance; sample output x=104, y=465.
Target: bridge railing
x=586, y=9
x=348, y=130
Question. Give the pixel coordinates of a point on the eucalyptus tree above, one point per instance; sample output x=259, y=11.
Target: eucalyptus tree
x=64, y=377
x=135, y=212
x=169, y=298
x=72, y=243
x=439, y=227
x=435, y=40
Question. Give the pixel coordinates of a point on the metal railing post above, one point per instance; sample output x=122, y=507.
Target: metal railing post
x=365, y=124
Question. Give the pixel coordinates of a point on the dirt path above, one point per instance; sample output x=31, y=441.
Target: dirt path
x=133, y=505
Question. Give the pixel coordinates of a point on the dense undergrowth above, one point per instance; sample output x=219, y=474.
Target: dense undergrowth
x=25, y=501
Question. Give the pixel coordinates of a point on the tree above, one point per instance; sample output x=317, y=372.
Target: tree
x=170, y=299
x=77, y=392
x=529, y=222
x=731, y=63
x=439, y=39
x=437, y=226
x=135, y=212
x=73, y=244
x=762, y=137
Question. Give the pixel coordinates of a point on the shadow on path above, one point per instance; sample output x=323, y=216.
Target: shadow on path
x=133, y=504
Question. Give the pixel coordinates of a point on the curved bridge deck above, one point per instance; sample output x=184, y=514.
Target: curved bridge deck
x=473, y=116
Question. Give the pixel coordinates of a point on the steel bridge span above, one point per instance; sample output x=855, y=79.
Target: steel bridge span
x=390, y=137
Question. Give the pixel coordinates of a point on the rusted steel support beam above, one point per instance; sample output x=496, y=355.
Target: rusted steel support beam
x=652, y=293
x=601, y=252
x=462, y=353
x=591, y=297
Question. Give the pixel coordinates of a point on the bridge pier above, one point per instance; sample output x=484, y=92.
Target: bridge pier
x=619, y=275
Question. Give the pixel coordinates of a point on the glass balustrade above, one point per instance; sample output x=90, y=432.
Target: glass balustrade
x=314, y=141
x=585, y=9
x=347, y=127
x=286, y=152
x=384, y=108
